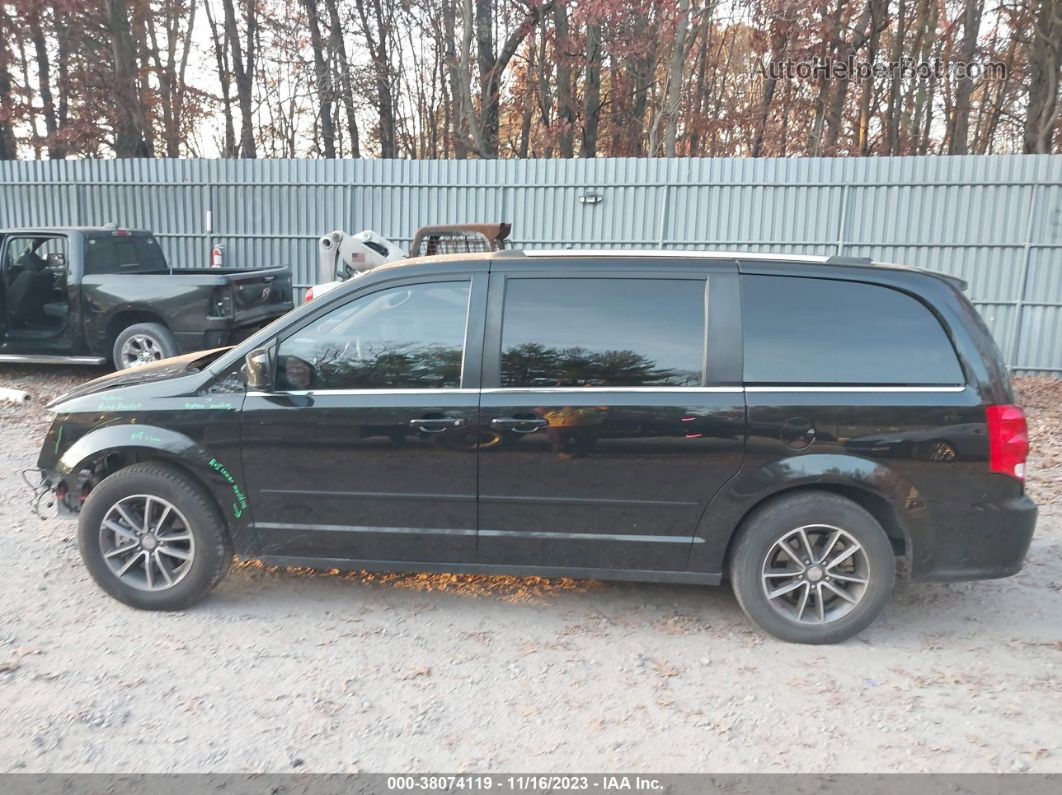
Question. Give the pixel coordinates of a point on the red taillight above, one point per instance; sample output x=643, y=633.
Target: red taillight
x=309, y=296
x=1008, y=440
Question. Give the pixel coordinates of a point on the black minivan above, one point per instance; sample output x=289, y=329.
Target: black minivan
x=796, y=425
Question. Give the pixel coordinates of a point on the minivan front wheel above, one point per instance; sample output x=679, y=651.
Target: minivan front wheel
x=812, y=568
x=152, y=538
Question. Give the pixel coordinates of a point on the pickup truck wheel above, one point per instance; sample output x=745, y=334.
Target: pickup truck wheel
x=152, y=538
x=143, y=343
x=812, y=568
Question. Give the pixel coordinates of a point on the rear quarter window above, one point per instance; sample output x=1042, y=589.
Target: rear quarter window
x=109, y=253
x=823, y=331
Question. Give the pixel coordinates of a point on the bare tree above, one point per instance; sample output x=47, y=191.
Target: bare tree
x=376, y=27
x=592, y=91
x=1045, y=75
x=346, y=85
x=780, y=27
x=243, y=68
x=44, y=82
x=323, y=81
x=130, y=129
x=8, y=145
x=171, y=71
x=959, y=126
x=562, y=56
x=220, y=43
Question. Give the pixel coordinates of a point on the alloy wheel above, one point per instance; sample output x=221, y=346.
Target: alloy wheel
x=815, y=574
x=140, y=349
x=146, y=542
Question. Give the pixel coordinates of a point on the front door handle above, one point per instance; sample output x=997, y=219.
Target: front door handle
x=519, y=424
x=436, y=424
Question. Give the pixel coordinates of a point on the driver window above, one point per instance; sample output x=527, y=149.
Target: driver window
x=400, y=338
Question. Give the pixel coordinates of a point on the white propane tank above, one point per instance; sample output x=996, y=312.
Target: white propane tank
x=217, y=256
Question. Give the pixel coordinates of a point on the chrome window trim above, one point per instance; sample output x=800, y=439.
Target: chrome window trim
x=733, y=390
x=407, y=391
x=671, y=254
x=547, y=390
x=882, y=388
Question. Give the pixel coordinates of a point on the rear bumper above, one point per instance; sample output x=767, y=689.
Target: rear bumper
x=982, y=541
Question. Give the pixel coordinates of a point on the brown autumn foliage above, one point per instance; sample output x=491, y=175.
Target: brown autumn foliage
x=528, y=78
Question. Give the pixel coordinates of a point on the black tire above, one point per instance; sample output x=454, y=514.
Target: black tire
x=155, y=335
x=212, y=547
x=768, y=525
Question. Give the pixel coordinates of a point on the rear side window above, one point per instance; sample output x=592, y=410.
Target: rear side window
x=110, y=253
x=820, y=331
x=603, y=332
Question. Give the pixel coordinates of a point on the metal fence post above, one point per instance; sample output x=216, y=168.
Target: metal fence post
x=842, y=220
x=1013, y=346
x=663, y=215
x=208, y=221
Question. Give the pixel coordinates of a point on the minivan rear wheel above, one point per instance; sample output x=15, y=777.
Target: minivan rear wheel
x=812, y=567
x=152, y=538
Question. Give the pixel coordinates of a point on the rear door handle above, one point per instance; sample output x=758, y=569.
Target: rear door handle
x=436, y=424
x=518, y=424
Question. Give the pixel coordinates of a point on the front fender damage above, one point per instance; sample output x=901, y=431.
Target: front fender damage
x=101, y=451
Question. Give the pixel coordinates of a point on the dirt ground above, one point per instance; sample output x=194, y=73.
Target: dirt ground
x=283, y=670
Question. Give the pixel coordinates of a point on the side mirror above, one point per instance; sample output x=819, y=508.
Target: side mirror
x=259, y=370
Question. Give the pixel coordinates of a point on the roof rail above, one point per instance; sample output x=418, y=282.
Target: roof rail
x=842, y=259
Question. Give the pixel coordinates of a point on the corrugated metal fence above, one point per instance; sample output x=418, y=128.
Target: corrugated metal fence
x=995, y=221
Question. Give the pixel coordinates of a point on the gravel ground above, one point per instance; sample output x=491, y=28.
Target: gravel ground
x=286, y=670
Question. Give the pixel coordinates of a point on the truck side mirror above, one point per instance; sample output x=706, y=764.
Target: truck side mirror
x=259, y=370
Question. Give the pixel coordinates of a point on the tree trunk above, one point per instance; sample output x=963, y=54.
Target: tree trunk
x=137, y=25
x=1045, y=66
x=696, y=120
x=676, y=80
x=44, y=81
x=129, y=133
x=527, y=114
x=243, y=71
x=565, y=101
x=323, y=80
x=960, y=119
x=346, y=84
x=779, y=43
x=835, y=118
x=459, y=72
x=878, y=20
x=220, y=42
x=492, y=66
x=892, y=119
x=822, y=101
x=8, y=145
x=591, y=92
x=377, y=37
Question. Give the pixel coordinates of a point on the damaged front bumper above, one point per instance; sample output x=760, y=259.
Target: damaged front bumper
x=47, y=490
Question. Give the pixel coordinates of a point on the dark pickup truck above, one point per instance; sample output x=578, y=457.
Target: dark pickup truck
x=98, y=295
